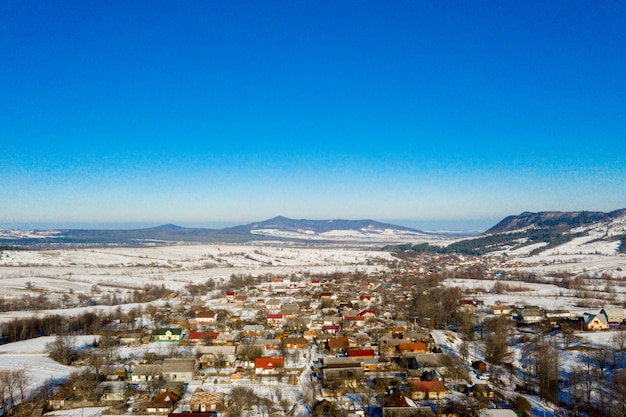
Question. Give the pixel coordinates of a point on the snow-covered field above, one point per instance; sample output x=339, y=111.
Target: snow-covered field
x=118, y=269
x=32, y=356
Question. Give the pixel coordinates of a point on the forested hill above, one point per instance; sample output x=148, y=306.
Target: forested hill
x=533, y=233
x=554, y=219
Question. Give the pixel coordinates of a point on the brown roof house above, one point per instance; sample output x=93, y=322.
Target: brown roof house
x=427, y=390
x=163, y=403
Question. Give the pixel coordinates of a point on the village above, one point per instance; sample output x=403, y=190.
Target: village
x=409, y=341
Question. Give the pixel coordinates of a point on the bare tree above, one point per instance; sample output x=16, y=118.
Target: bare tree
x=62, y=349
x=243, y=398
x=496, y=340
x=22, y=380
x=618, y=339
x=545, y=356
x=618, y=386
x=10, y=387
x=219, y=362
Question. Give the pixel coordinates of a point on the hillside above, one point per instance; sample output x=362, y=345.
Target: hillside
x=542, y=233
x=554, y=219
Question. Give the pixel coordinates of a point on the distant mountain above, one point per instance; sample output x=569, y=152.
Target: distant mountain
x=285, y=224
x=169, y=227
x=552, y=232
x=276, y=229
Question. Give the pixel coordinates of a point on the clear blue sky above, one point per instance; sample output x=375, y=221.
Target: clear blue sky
x=215, y=112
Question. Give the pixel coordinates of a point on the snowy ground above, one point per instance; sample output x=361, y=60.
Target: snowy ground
x=173, y=266
x=32, y=355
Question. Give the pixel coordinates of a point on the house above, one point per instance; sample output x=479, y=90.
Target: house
x=398, y=327
x=273, y=304
x=480, y=366
x=112, y=392
x=530, y=315
x=332, y=329
x=268, y=365
x=59, y=400
x=361, y=353
x=501, y=310
x=179, y=369
x=412, y=347
x=613, y=316
x=167, y=335
x=203, y=402
x=290, y=310
x=427, y=390
x=368, y=314
x=274, y=319
x=339, y=344
x=481, y=389
x=428, y=361
x=163, y=403
x=130, y=339
x=202, y=337
x=210, y=353
x=240, y=299
x=595, y=322
x=295, y=343
x=353, y=321
x=204, y=317
x=253, y=330
x=145, y=372
x=366, y=299
x=344, y=371
x=558, y=315
x=398, y=404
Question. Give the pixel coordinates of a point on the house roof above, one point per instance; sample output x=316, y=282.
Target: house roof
x=353, y=353
x=338, y=342
x=412, y=347
x=147, y=369
x=398, y=399
x=205, y=314
x=179, y=365
x=295, y=341
x=207, y=398
x=591, y=317
x=166, y=398
x=269, y=363
x=163, y=331
x=613, y=312
x=428, y=386
x=202, y=335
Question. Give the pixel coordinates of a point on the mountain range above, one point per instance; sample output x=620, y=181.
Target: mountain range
x=527, y=232
x=276, y=229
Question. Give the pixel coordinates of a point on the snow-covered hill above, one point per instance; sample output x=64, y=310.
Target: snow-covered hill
x=601, y=237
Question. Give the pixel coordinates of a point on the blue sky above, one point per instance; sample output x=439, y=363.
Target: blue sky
x=450, y=114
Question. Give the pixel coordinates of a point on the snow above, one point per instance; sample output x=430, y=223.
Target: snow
x=78, y=412
x=32, y=355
